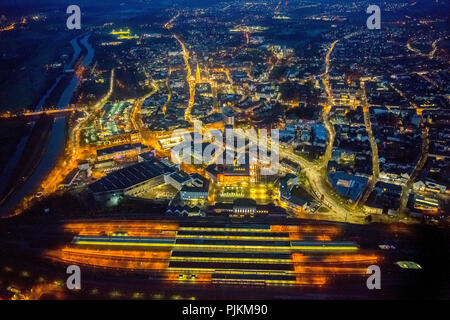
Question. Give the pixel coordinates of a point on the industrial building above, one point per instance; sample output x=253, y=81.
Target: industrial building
x=246, y=208
x=348, y=185
x=132, y=180
x=228, y=174
x=196, y=189
x=220, y=253
x=126, y=150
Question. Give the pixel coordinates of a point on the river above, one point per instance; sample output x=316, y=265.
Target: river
x=76, y=53
x=57, y=137
x=12, y=162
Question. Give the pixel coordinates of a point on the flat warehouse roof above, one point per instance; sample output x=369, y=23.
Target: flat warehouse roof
x=235, y=233
x=123, y=147
x=238, y=266
x=237, y=255
x=252, y=276
x=130, y=240
x=216, y=242
x=130, y=176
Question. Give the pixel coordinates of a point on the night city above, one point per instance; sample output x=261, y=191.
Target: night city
x=224, y=150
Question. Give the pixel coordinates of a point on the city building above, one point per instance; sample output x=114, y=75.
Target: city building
x=290, y=165
x=222, y=174
x=348, y=185
x=132, y=181
x=425, y=206
x=228, y=116
x=128, y=150
x=177, y=179
x=244, y=207
x=197, y=189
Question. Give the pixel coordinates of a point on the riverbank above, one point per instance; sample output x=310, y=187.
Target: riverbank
x=46, y=152
x=28, y=162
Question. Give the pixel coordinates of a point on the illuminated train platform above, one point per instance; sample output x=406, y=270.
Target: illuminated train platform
x=306, y=254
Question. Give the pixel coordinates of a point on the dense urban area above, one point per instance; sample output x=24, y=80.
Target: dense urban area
x=356, y=122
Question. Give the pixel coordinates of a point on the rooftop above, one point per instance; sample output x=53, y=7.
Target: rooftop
x=123, y=147
x=130, y=176
x=348, y=185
